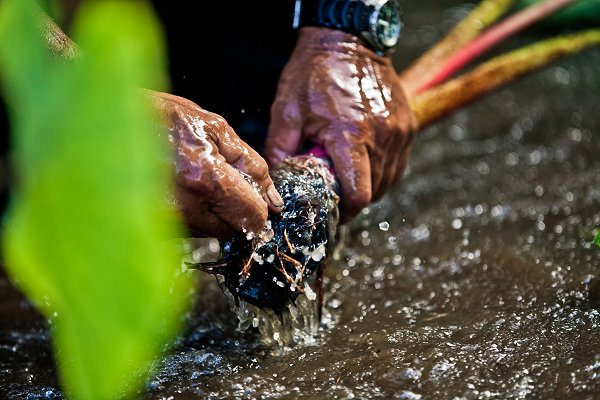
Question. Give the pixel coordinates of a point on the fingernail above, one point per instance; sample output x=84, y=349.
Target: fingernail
x=274, y=197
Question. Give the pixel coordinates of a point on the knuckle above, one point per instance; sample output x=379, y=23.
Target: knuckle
x=253, y=163
x=278, y=107
x=261, y=167
x=221, y=121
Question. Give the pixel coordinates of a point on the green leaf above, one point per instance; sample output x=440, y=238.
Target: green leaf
x=582, y=14
x=597, y=239
x=86, y=231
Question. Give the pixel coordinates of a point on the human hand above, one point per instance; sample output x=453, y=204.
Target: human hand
x=337, y=93
x=222, y=185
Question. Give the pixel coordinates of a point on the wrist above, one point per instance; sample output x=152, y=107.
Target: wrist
x=319, y=38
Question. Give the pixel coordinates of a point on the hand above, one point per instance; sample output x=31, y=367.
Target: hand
x=337, y=93
x=222, y=185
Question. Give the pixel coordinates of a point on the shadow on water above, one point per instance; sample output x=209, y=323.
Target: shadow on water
x=474, y=278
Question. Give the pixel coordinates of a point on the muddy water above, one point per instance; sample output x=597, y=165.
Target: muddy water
x=474, y=278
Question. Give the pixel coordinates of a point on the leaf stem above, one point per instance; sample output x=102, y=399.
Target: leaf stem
x=478, y=20
x=438, y=102
x=56, y=40
x=491, y=38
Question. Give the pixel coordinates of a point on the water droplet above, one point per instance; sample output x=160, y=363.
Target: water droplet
x=575, y=135
x=421, y=232
x=511, y=159
x=457, y=223
x=539, y=190
x=384, y=226
x=213, y=245
x=457, y=132
x=319, y=253
x=569, y=197
x=310, y=294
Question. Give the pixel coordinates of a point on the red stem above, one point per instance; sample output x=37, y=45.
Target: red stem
x=492, y=37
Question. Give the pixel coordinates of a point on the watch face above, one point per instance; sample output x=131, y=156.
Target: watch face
x=388, y=24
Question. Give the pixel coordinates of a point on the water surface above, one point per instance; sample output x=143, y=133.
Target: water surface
x=474, y=278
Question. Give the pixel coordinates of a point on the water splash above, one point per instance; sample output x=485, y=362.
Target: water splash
x=297, y=324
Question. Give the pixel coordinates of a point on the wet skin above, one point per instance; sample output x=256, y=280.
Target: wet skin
x=337, y=93
x=221, y=184
x=334, y=91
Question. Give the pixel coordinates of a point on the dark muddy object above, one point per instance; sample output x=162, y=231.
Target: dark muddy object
x=272, y=269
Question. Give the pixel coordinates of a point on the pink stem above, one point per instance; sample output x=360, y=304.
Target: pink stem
x=317, y=151
x=492, y=37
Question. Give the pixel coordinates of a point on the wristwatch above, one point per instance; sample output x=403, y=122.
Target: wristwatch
x=379, y=22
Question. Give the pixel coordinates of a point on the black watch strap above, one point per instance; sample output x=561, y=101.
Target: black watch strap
x=377, y=21
x=347, y=15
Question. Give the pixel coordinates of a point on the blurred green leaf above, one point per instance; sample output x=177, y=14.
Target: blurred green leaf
x=582, y=14
x=86, y=229
x=597, y=239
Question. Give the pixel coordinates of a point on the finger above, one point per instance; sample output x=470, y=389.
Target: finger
x=200, y=221
x=285, y=131
x=388, y=178
x=402, y=163
x=402, y=156
x=389, y=155
x=379, y=167
x=396, y=172
x=353, y=170
x=236, y=202
x=256, y=166
x=245, y=159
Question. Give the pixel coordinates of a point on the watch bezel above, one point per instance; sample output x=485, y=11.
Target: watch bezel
x=373, y=36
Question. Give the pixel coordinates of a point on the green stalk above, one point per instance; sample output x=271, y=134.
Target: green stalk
x=54, y=38
x=444, y=99
x=483, y=16
x=583, y=14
